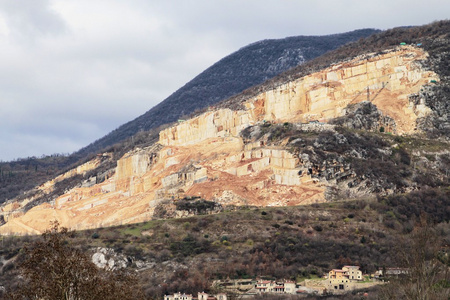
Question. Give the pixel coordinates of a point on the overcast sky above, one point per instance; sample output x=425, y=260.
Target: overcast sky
x=72, y=71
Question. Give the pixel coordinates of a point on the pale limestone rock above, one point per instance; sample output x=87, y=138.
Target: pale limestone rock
x=324, y=95
x=212, y=140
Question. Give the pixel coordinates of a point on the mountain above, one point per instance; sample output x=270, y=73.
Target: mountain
x=249, y=66
x=246, y=67
x=351, y=123
x=342, y=160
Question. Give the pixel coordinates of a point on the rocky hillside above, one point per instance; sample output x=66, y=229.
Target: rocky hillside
x=246, y=67
x=249, y=66
x=357, y=127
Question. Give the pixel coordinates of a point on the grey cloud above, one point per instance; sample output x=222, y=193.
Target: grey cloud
x=31, y=17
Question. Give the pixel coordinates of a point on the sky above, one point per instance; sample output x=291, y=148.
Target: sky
x=72, y=71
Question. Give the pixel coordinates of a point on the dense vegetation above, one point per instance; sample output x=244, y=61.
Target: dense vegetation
x=53, y=269
x=287, y=242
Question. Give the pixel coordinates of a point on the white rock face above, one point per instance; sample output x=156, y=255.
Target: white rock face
x=225, y=169
x=386, y=80
x=106, y=258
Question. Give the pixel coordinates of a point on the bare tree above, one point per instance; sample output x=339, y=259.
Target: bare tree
x=427, y=268
x=52, y=270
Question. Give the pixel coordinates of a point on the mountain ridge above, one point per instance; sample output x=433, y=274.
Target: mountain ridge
x=17, y=177
x=287, y=157
x=230, y=76
x=404, y=92
x=341, y=161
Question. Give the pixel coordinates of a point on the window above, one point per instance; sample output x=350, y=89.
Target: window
x=341, y=286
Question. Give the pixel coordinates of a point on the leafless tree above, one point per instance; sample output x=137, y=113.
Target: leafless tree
x=53, y=269
x=427, y=266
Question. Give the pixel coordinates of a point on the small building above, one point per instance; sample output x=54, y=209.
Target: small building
x=206, y=296
x=178, y=296
x=336, y=286
x=290, y=287
x=235, y=285
x=343, y=280
x=282, y=287
x=347, y=272
x=391, y=272
x=353, y=272
x=201, y=296
x=337, y=274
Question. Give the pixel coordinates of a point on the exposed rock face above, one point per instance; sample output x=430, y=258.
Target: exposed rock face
x=386, y=80
x=249, y=66
x=206, y=156
x=107, y=258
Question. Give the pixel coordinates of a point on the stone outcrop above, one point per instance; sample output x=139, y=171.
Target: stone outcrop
x=206, y=156
x=366, y=116
x=386, y=80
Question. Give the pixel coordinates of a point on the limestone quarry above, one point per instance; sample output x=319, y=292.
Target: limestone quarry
x=206, y=156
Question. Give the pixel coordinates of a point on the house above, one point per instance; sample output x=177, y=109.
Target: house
x=343, y=280
x=282, y=287
x=336, y=274
x=347, y=272
x=265, y=286
x=201, y=296
x=205, y=296
x=353, y=272
x=178, y=296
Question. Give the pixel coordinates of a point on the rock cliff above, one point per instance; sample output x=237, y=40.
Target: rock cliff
x=387, y=80
x=208, y=157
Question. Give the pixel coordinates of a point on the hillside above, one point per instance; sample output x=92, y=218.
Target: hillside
x=297, y=243
x=249, y=66
x=273, y=148
x=242, y=69
x=342, y=160
x=433, y=38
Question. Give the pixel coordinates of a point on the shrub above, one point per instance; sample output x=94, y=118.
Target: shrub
x=318, y=228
